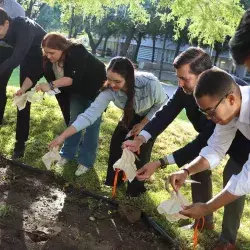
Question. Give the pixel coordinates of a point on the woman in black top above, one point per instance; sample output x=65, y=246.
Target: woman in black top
x=70, y=67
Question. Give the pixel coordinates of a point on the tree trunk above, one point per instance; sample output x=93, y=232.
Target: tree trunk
x=29, y=9
x=178, y=46
x=71, y=22
x=162, y=54
x=105, y=45
x=75, y=33
x=218, y=47
x=117, y=45
x=35, y=14
x=92, y=43
x=126, y=45
x=153, y=51
x=217, y=53
x=138, y=45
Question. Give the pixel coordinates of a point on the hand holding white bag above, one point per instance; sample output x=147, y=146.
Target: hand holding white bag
x=50, y=157
x=31, y=96
x=171, y=208
x=127, y=164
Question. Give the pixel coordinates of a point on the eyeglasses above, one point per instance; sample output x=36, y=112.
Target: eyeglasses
x=211, y=112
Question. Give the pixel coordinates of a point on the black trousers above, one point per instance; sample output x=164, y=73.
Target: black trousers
x=135, y=187
x=5, y=53
x=202, y=192
x=23, y=116
x=233, y=211
x=32, y=67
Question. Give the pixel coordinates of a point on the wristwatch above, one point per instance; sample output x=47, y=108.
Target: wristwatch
x=51, y=85
x=163, y=162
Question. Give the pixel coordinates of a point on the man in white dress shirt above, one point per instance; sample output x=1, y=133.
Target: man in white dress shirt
x=228, y=105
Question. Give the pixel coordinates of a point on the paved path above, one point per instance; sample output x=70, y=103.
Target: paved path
x=169, y=89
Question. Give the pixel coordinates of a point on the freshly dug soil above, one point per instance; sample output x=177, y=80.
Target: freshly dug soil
x=38, y=213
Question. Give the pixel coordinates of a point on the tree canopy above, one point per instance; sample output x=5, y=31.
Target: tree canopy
x=209, y=21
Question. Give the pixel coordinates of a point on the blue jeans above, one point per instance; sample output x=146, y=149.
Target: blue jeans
x=86, y=146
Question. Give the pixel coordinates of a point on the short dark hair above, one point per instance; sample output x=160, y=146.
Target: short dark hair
x=197, y=59
x=3, y=16
x=239, y=44
x=215, y=82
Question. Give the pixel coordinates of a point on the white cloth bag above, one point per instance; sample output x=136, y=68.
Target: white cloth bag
x=171, y=208
x=127, y=164
x=50, y=157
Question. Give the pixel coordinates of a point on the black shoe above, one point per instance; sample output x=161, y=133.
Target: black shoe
x=18, y=151
x=135, y=192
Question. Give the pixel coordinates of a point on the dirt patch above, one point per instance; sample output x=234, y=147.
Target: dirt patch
x=37, y=213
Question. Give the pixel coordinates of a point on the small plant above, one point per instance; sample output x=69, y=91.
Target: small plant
x=5, y=210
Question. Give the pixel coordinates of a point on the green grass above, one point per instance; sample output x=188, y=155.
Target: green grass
x=5, y=210
x=14, y=79
x=47, y=122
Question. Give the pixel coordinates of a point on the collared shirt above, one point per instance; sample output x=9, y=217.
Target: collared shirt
x=149, y=97
x=221, y=139
x=205, y=128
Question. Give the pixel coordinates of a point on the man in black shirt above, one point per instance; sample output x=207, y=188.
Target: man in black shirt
x=13, y=10
x=189, y=65
x=24, y=36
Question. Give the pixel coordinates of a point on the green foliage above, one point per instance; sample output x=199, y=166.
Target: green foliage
x=48, y=18
x=99, y=8
x=207, y=20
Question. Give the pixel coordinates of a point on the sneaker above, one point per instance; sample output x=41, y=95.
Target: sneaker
x=61, y=162
x=81, y=169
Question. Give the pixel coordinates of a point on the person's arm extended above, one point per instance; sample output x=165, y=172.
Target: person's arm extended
x=24, y=41
x=63, y=82
x=139, y=126
x=59, y=83
x=87, y=118
x=221, y=199
x=27, y=84
x=210, y=156
x=177, y=179
x=61, y=138
x=159, y=122
x=198, y=210
x=237, y=186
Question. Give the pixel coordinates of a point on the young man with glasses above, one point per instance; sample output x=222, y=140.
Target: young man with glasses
x=189, y=65
x=238, y=185
x=211, y=112
x=228, y=105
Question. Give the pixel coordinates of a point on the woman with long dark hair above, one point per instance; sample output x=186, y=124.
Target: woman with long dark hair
x=79, y=76
x=140, y=95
